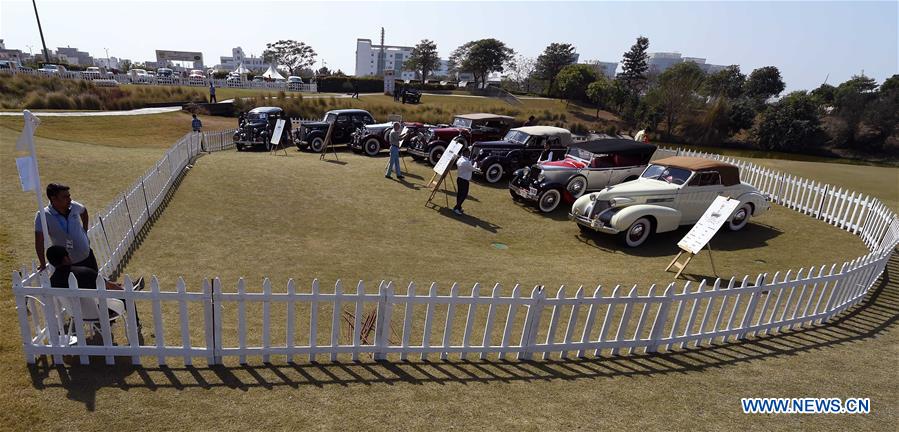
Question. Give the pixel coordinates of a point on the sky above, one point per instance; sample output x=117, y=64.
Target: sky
x=808, y=41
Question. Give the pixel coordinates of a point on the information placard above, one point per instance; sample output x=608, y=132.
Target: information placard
x=708, y=224
x=279, y=129
x=448, y=156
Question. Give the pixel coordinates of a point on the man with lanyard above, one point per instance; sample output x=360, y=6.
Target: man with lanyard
x=395, y=137
x=463, y=178
x=67, y=227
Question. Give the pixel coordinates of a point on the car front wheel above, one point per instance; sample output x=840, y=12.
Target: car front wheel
x=740, y=218
x=435, y=154
x=577, y=186
x=549, y=201
x=372, y=146
x=494, y=173
x=637, y=233
x=316, y=144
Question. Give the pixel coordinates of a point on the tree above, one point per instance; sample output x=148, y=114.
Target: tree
x=323, y=71
x=676, y=92
x=573, y=81
x=600, y=92
x=555, y=57
x=290, y=53
x=851, y=100
x=634, y=66
x=890, y=84
x=423, y=59
x=790, y=124
x=764, y=83
x=480, y=58
x=521, y=73
x=824, y=94
x=727, y=82
x=883, y=113
x=125, y=64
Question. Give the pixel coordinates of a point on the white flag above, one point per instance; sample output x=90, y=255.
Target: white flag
x=26, y=140
x=26, y=173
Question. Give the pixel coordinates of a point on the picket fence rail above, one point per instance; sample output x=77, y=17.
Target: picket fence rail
x=351, y=322
x=117, y=79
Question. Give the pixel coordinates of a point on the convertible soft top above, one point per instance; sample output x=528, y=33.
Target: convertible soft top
x=730, y=174
x=484, y=116
x=615, y=145
x=265, y=110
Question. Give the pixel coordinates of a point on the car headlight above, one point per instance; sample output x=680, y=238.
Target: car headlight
x=541, y=177
x=620, y=201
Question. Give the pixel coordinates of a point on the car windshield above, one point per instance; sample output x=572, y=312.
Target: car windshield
x=257, y=116
x=517, y=136
x=53, y=67
x=461, y=122
x=579, y=154
x=667, y=174
x=329, y=118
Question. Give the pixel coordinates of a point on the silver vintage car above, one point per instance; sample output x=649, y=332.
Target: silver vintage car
x=671, y=192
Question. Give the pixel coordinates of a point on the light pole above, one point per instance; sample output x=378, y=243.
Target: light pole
x=41, y=31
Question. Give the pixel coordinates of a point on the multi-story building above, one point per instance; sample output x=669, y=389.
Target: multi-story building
x=237, y=57
x=74, y=57
x=371, y=60
x=108, y=63
x=658, y=62
x=603, y=67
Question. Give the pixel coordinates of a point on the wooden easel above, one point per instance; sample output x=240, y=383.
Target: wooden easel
x=275, y=147
x=327, y=144
x=680, y=266
x=435, y=183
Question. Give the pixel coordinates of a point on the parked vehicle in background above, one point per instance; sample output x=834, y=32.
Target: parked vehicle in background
x=7, y=64
x=258, y=79
x=165, y=76
x=91, y=73
x=294, y=83
x=196, y=77
x=411, y=96
x=139, y=76
x=51, y=69
x=587, y=166
x=520, y=147
x=233, y=80
x=373, y=138
x=471, y=127
x=670, y=192
x=311, y=135
x=258, y=126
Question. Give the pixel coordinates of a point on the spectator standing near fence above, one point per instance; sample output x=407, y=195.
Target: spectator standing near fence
x=463, y=178
x=395, y=137
x=67, y=223
x=196, y=124
x=212, y=98
x=531, y=121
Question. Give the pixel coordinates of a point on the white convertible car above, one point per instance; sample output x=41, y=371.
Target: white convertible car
x=671, y=192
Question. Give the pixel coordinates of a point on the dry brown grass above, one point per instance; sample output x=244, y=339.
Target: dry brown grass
x=255, y=215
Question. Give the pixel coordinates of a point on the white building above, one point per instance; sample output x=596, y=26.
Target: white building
x=603, y=67
x=371, y=60
x=658, y=62
x=237, y=57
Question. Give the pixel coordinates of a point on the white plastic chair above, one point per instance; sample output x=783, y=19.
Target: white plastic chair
x=90, y=313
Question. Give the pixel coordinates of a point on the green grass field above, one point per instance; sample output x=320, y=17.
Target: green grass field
x=256, y=215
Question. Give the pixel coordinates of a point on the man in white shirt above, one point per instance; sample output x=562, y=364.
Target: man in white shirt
x=463, y=178
x=67, y=223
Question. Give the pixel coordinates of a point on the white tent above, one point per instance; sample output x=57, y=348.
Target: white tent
x=272, y=73
x=241, y=69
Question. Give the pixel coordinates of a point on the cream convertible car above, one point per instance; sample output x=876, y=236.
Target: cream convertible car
x=671, y=192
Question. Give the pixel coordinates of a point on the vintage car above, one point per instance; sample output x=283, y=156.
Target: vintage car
x=311, y=135
x=257, y=126
x=472, y=127
x=587, y=166
x=520, y=147
x=373, y=138
x=411, y=96
x=671, y=192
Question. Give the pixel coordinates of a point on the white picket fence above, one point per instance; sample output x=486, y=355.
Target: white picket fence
x=176, y=80
x=480, y=322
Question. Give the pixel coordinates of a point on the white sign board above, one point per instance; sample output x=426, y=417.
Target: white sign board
x=709, y=224
x=279, y=129
x=448, y=156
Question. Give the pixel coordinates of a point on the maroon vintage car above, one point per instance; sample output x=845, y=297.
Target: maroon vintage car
x=472, y=127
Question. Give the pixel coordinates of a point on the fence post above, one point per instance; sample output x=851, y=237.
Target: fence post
x=750, y=310
x=531, y=323
x=130, y=219
x=110, y=259
x=655, y=335
x=208, y=319
x=382, y=332
x=146, y=201
x=22, y=312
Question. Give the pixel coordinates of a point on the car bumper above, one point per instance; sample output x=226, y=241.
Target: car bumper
x=417, y=151
x=528, y=193
x=593, y=224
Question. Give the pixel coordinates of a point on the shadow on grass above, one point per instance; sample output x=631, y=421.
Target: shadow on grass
x=468, y=219
x=754, y=235
x=877, y=313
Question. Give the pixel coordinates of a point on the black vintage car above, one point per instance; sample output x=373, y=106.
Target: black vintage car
x=520, y=147
x=311, y=135
x=587, y=166
x=411, y=96
x=375, y=137
x=258, y=125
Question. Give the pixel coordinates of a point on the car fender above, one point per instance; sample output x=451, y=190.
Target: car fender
x=667, y=218
x=490, y=160
x=437, y=142
x=759, y=203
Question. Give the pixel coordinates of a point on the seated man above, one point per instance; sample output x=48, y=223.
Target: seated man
x=58, y=257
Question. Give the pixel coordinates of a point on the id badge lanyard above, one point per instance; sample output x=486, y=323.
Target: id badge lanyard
x=69, y=243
